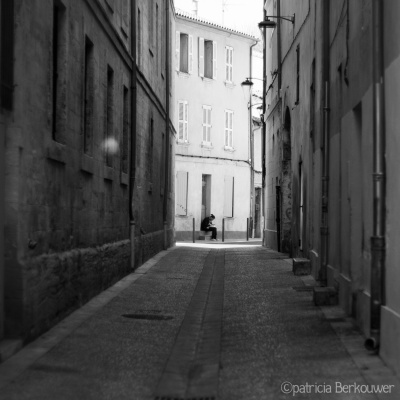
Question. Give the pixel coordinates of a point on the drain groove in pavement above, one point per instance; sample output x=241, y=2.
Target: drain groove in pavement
x=192, y=370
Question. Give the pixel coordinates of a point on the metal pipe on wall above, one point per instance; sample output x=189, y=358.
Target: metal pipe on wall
x=278, y=216
x=263, y=135
x=132, y=164
x=324, y=229
x=252, y=190
x=379, y=194
x=167, y=120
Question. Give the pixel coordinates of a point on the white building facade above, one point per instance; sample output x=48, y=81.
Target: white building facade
x=212, y=165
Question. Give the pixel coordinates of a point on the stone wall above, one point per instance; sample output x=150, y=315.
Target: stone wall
x=67, y=158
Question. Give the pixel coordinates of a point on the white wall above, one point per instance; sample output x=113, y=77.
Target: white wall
x=216, y=160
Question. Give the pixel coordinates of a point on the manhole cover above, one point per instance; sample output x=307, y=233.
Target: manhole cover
x=148, y=316
x=184, y=398
x=336, y=319
x=303, y=288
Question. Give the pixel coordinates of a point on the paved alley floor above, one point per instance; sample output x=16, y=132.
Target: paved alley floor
x=201, y=322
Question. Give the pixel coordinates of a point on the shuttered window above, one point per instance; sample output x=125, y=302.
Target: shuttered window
x=7, y=53
x=229, y=64
x=181, y=192
x=228, y=196
x=183, y=121
x=207, y=58
x=229, y=128
x=184, y=52
x=207, y=125
x=88, y=96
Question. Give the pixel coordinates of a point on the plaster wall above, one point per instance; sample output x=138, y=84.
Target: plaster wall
x=198, y=158
x=234, y=227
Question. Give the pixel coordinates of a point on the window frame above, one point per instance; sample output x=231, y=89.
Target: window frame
x=184, y=121
x=229, y=65
x=228, y=130
x=206, y=125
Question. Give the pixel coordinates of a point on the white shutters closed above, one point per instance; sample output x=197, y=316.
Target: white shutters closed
x=181, y=192
x=228, y=196
x=207, y=124
x=201, y=57
x=214, y=60
x=190, y=54
x=229, y=64
x=177, y=50
x=229, y=128
x=183, y=118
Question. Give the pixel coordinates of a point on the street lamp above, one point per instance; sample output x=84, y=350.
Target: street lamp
x=267, y=23
x=249, y=83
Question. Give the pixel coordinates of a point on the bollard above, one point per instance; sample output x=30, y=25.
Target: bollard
x=223, y=229
x=132, y=240
x=165, y=235
x=247, y=230
x=194, y=224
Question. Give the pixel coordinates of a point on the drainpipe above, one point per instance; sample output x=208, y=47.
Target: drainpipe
x=278, y=216
x=167, y=127
x=263, y=135
x=379, y=199
x=279, y=49
x=252, y=192
x=324, y=230
x=132, y=164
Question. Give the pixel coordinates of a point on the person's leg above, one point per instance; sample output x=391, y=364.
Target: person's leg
x=214, y=233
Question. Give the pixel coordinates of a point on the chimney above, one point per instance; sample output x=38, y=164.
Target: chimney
x=195, y=7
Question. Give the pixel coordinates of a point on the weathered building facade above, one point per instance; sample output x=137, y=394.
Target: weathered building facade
x=331, y=146
x=85, y=132
x=213, y=166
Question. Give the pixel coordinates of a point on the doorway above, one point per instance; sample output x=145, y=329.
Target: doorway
x=205, y=196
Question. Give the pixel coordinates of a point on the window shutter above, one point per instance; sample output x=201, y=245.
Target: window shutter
x=214, y=60
x=226, y=129
x=201, y=57
x=186, y=123
x=228, y=196
x=181, y=123
x=178, y=50
x=181, y=198
x=190, y=54
x=209, y=125
x=231, y=129
x=231, y=69
x=204, y=124
x=227, y=63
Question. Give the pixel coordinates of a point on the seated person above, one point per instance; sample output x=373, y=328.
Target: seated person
x=208, y=225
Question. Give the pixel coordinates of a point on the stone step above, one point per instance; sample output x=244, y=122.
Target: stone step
x=205, y=235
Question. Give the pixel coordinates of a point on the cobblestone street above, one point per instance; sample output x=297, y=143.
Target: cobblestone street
x=201, y=322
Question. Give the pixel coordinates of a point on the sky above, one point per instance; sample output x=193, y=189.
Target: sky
x=242, y=15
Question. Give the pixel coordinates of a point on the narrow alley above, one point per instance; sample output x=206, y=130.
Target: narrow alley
x=216, y=321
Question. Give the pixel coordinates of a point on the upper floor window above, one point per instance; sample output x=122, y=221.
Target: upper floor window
x=229, y=129
x=184, y=52
x=298, y=74
x=6, y=53
x=183, y=121
x=151, y=25
x=207, y=125
x=207, y=58
x=229, y=64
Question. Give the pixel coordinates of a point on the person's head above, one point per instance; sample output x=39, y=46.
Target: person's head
x=212, y=216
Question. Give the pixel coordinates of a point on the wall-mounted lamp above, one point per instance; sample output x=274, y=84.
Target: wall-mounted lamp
x=267, y=23
x=248, y=81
